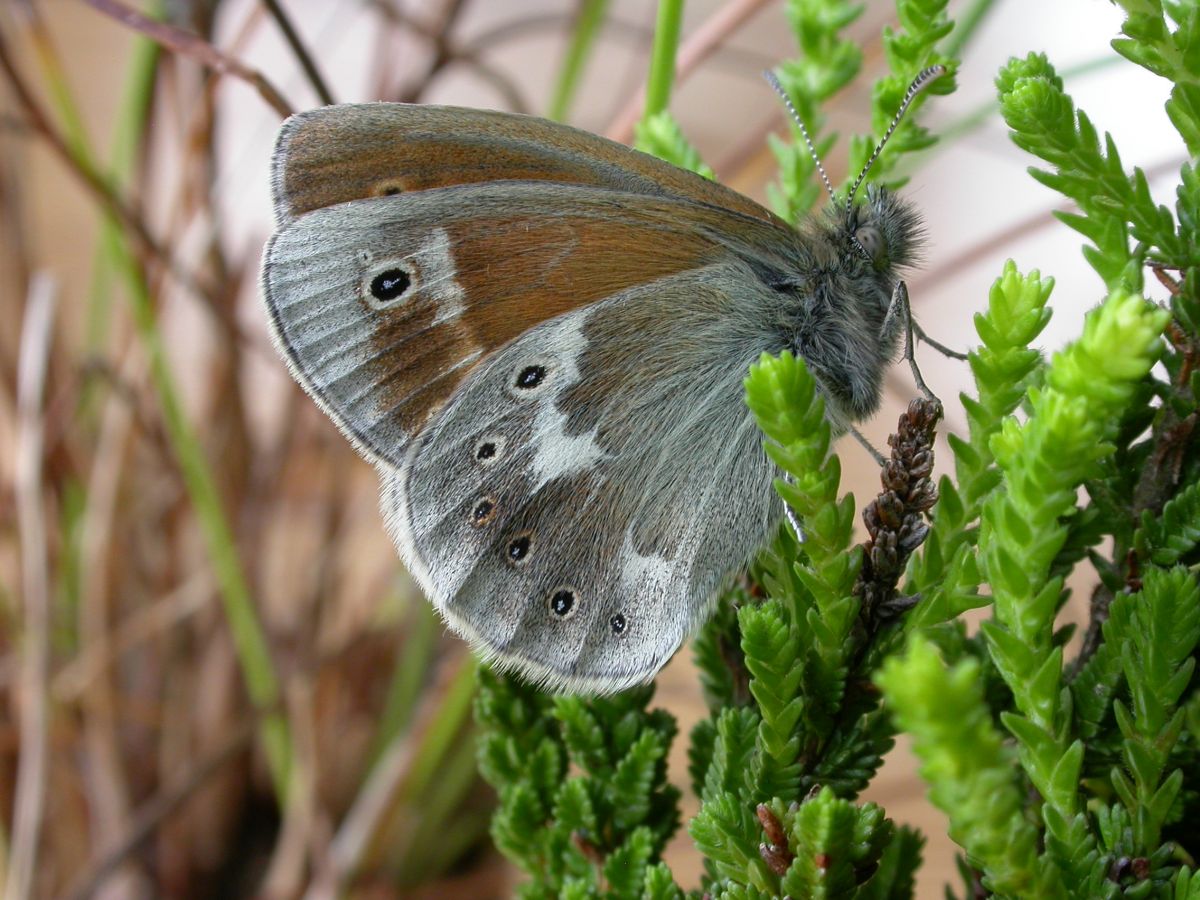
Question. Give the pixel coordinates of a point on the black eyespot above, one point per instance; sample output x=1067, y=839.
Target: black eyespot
x=518, y=549
x=389, y=190
x=489, y=448
x=390, y=284
x=483, y=512
x=617, y=624
x=562, y=602
x=531, y=377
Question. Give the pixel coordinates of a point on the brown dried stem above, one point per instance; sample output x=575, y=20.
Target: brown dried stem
x=307, y=63
x=152, y=814
x=147, y=245
x=375, y=802
x=448, y=53
x=196, y=48
x=32, y=712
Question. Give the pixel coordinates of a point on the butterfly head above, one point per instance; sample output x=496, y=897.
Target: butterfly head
x=877, y=226
x=882, y=229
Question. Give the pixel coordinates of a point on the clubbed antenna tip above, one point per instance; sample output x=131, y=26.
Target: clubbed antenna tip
x=924, y=78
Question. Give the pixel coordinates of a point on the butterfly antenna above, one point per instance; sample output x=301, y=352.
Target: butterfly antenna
x=787, y=101
x=924, y=78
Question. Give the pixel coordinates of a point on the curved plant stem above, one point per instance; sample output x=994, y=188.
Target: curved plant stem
x=662, y=59
x=706, y=40
x=29, y=802
x=583, y=40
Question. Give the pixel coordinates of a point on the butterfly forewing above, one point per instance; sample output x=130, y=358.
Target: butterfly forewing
x=356, y=151
x=383, y=306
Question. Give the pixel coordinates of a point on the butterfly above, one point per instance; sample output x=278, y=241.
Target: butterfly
x=539, y=337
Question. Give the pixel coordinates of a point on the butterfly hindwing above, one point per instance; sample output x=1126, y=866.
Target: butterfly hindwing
x=621, y=476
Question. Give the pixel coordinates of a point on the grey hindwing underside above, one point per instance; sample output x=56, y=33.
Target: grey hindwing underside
x=588, y=487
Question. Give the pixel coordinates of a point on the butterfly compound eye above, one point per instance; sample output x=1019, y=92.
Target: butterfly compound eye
x=871, y=241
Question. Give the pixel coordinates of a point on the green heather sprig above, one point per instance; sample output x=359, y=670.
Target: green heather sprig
x=821, y=847
x=1164, y=37
x=944, y=574
x=1171, y=536
x=813, y=607
x=585, y=807
x=969, y=770
x=1117, y=213
x=660, y=135
x=1044, y=460
x=1158, y=640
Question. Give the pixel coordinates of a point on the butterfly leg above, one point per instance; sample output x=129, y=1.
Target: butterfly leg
x=900, y=307
x=862, y=439
x=936, y=345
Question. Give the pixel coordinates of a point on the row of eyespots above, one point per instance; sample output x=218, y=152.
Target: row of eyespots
x=562, y=604
x=562, y=601
x=487, y=451
x=489, y=448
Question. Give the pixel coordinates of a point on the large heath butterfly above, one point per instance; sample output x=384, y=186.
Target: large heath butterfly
x=539, y=337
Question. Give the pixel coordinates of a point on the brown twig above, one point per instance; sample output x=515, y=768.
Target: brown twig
x=146, y=243
x=448, y=53
x=307, y=63
x=190, y=45
x=153, y=812
x=438, y=31
x=375, y=800
x=108, y=789
x=145, y=625
x=15, y=259
x=692, y=52
x=32, y=714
